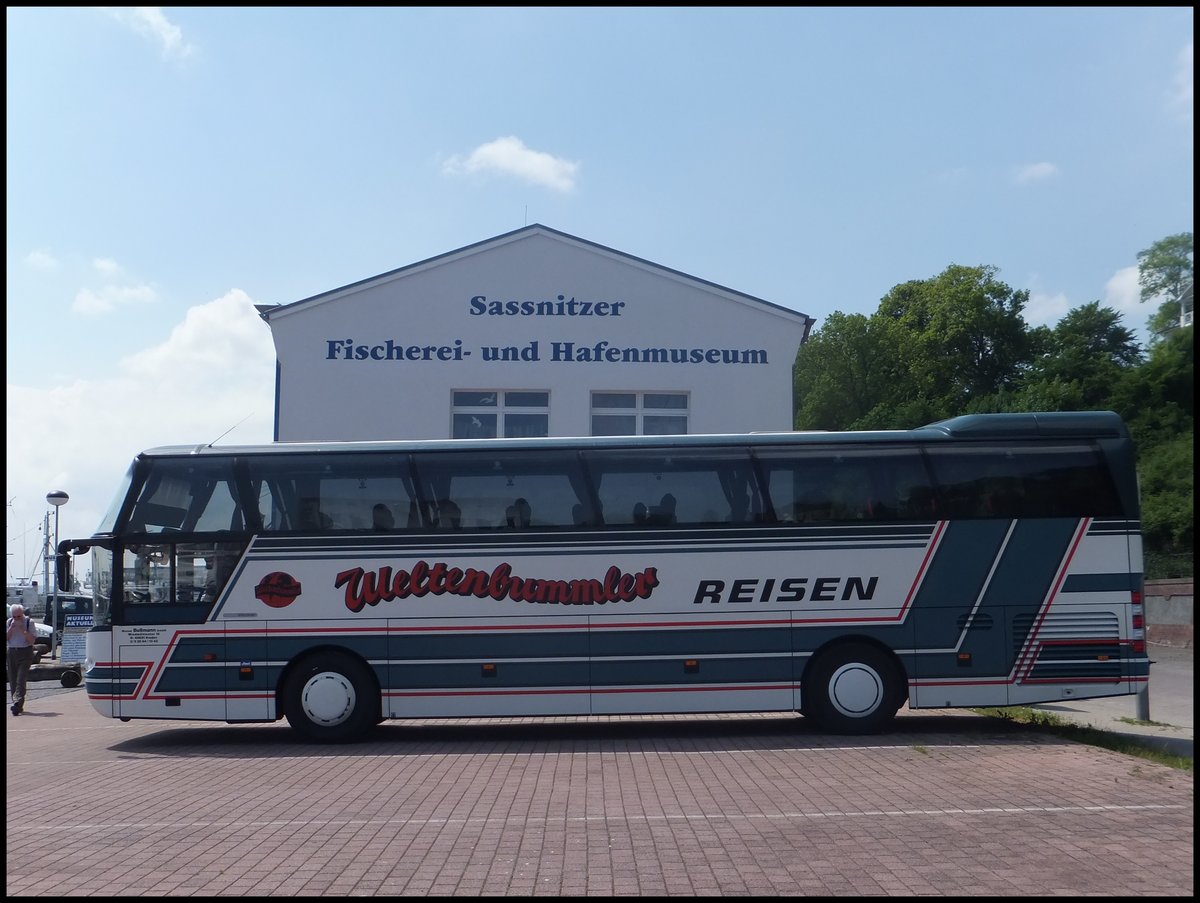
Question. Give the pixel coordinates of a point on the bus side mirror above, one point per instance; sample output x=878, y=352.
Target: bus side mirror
x=62, y=572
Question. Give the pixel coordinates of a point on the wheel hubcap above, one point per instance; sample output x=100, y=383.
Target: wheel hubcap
x=328, y=698
x=856, y=690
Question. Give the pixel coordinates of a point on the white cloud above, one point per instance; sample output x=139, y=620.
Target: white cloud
x=110, y=297
x=1123, y=294
x=1181, y=90
x=214, y=339
x=510, y=156
x=41, y=260
x=1046, y=309
x=215, y=369
x=1035, y=172
x=106, y=267
x=150, y=23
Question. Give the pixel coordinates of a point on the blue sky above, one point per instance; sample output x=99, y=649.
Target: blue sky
x=168, y=168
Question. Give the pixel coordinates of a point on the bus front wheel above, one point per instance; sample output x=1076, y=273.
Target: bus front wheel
x=853, y=688
x=331, y=698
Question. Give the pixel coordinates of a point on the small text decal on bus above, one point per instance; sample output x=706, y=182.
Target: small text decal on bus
x=371, y=587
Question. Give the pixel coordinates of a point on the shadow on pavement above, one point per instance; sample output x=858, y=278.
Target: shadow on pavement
x=399, y=738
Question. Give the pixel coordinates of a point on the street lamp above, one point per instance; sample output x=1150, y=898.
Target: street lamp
x=57, y=498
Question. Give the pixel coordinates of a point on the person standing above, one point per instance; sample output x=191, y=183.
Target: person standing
x=21, y=638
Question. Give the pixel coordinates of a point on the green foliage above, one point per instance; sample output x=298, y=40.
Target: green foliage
x=1157, y=399
x=957, y=336
x=1079, y=362
x=1165, y=272
x=932, y=347
x=1168, y=506
x=1165, y=267
x=1163, y=320
x=835, y=380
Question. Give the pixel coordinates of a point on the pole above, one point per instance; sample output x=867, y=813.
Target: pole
x=1143, y=703
x=45, y=561
x=54, y=612
x=57, y=498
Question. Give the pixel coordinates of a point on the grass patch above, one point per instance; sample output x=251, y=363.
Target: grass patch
x=1121, y=743
x=1147, y=723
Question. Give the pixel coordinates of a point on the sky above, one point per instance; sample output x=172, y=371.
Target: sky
x=169, y=168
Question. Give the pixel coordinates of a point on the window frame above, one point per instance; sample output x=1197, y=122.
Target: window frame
x=640, y=410
x=504, y=403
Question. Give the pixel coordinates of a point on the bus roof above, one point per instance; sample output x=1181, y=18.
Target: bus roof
x=1049, y=425
x=1024, y=426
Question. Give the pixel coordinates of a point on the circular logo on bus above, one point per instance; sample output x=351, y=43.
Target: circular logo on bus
x=277, y=589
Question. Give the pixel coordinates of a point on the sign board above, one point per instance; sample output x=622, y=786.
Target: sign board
x=74, y=638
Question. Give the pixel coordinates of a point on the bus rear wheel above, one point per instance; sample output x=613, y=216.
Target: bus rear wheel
x=854, y=688
x=331, y=697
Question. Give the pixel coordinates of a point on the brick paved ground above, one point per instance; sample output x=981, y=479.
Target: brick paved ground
x=949, y=804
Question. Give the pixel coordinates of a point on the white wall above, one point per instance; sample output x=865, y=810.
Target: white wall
x=323, y=395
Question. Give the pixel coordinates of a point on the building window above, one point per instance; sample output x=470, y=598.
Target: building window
x=639, y=413
x=486, y=414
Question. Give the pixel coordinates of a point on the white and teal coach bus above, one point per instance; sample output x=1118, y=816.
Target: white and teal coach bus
x=986, y=560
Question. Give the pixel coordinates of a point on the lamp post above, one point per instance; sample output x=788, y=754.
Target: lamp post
x=57, y=498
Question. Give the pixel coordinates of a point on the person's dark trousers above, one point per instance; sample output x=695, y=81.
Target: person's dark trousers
x=20, y=660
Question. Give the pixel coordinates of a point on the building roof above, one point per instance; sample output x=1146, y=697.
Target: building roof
x=269, y=311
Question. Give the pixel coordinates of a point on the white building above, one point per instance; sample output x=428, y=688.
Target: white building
x=532, y=333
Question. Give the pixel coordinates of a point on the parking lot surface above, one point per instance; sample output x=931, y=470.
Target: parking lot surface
x=950, y=803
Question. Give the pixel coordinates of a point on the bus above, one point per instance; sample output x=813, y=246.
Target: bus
x=985, y=560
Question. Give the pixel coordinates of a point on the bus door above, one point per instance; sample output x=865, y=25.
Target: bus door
x=169, y=672
x=249, y=678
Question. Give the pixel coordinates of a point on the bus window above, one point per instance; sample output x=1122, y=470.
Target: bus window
x=331, y=492
x=146, y=574
x=816, y=485
x=1023, y=481
x=502, y=490
x=203, y=569
x=715, y=486
x=186, y=496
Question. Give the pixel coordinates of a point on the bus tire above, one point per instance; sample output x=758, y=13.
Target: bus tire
x=853, y=688
x=331, y=697
x=70, y=678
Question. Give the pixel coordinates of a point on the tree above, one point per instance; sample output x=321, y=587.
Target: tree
x=1168, y=507
x=930, y=350
x=835, y=376
x=957, y=337
x=1157, y=399
x=1084, y=356
x=1165, y=270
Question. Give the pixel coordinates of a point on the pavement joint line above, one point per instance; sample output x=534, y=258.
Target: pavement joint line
x=587, y=819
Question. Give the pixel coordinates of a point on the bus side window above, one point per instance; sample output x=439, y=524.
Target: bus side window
x=382, y=518
x=312, y=517
x=922, y=503
x=220, y=568
x=518, y=515
x=449, y=515
x=663, y=513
